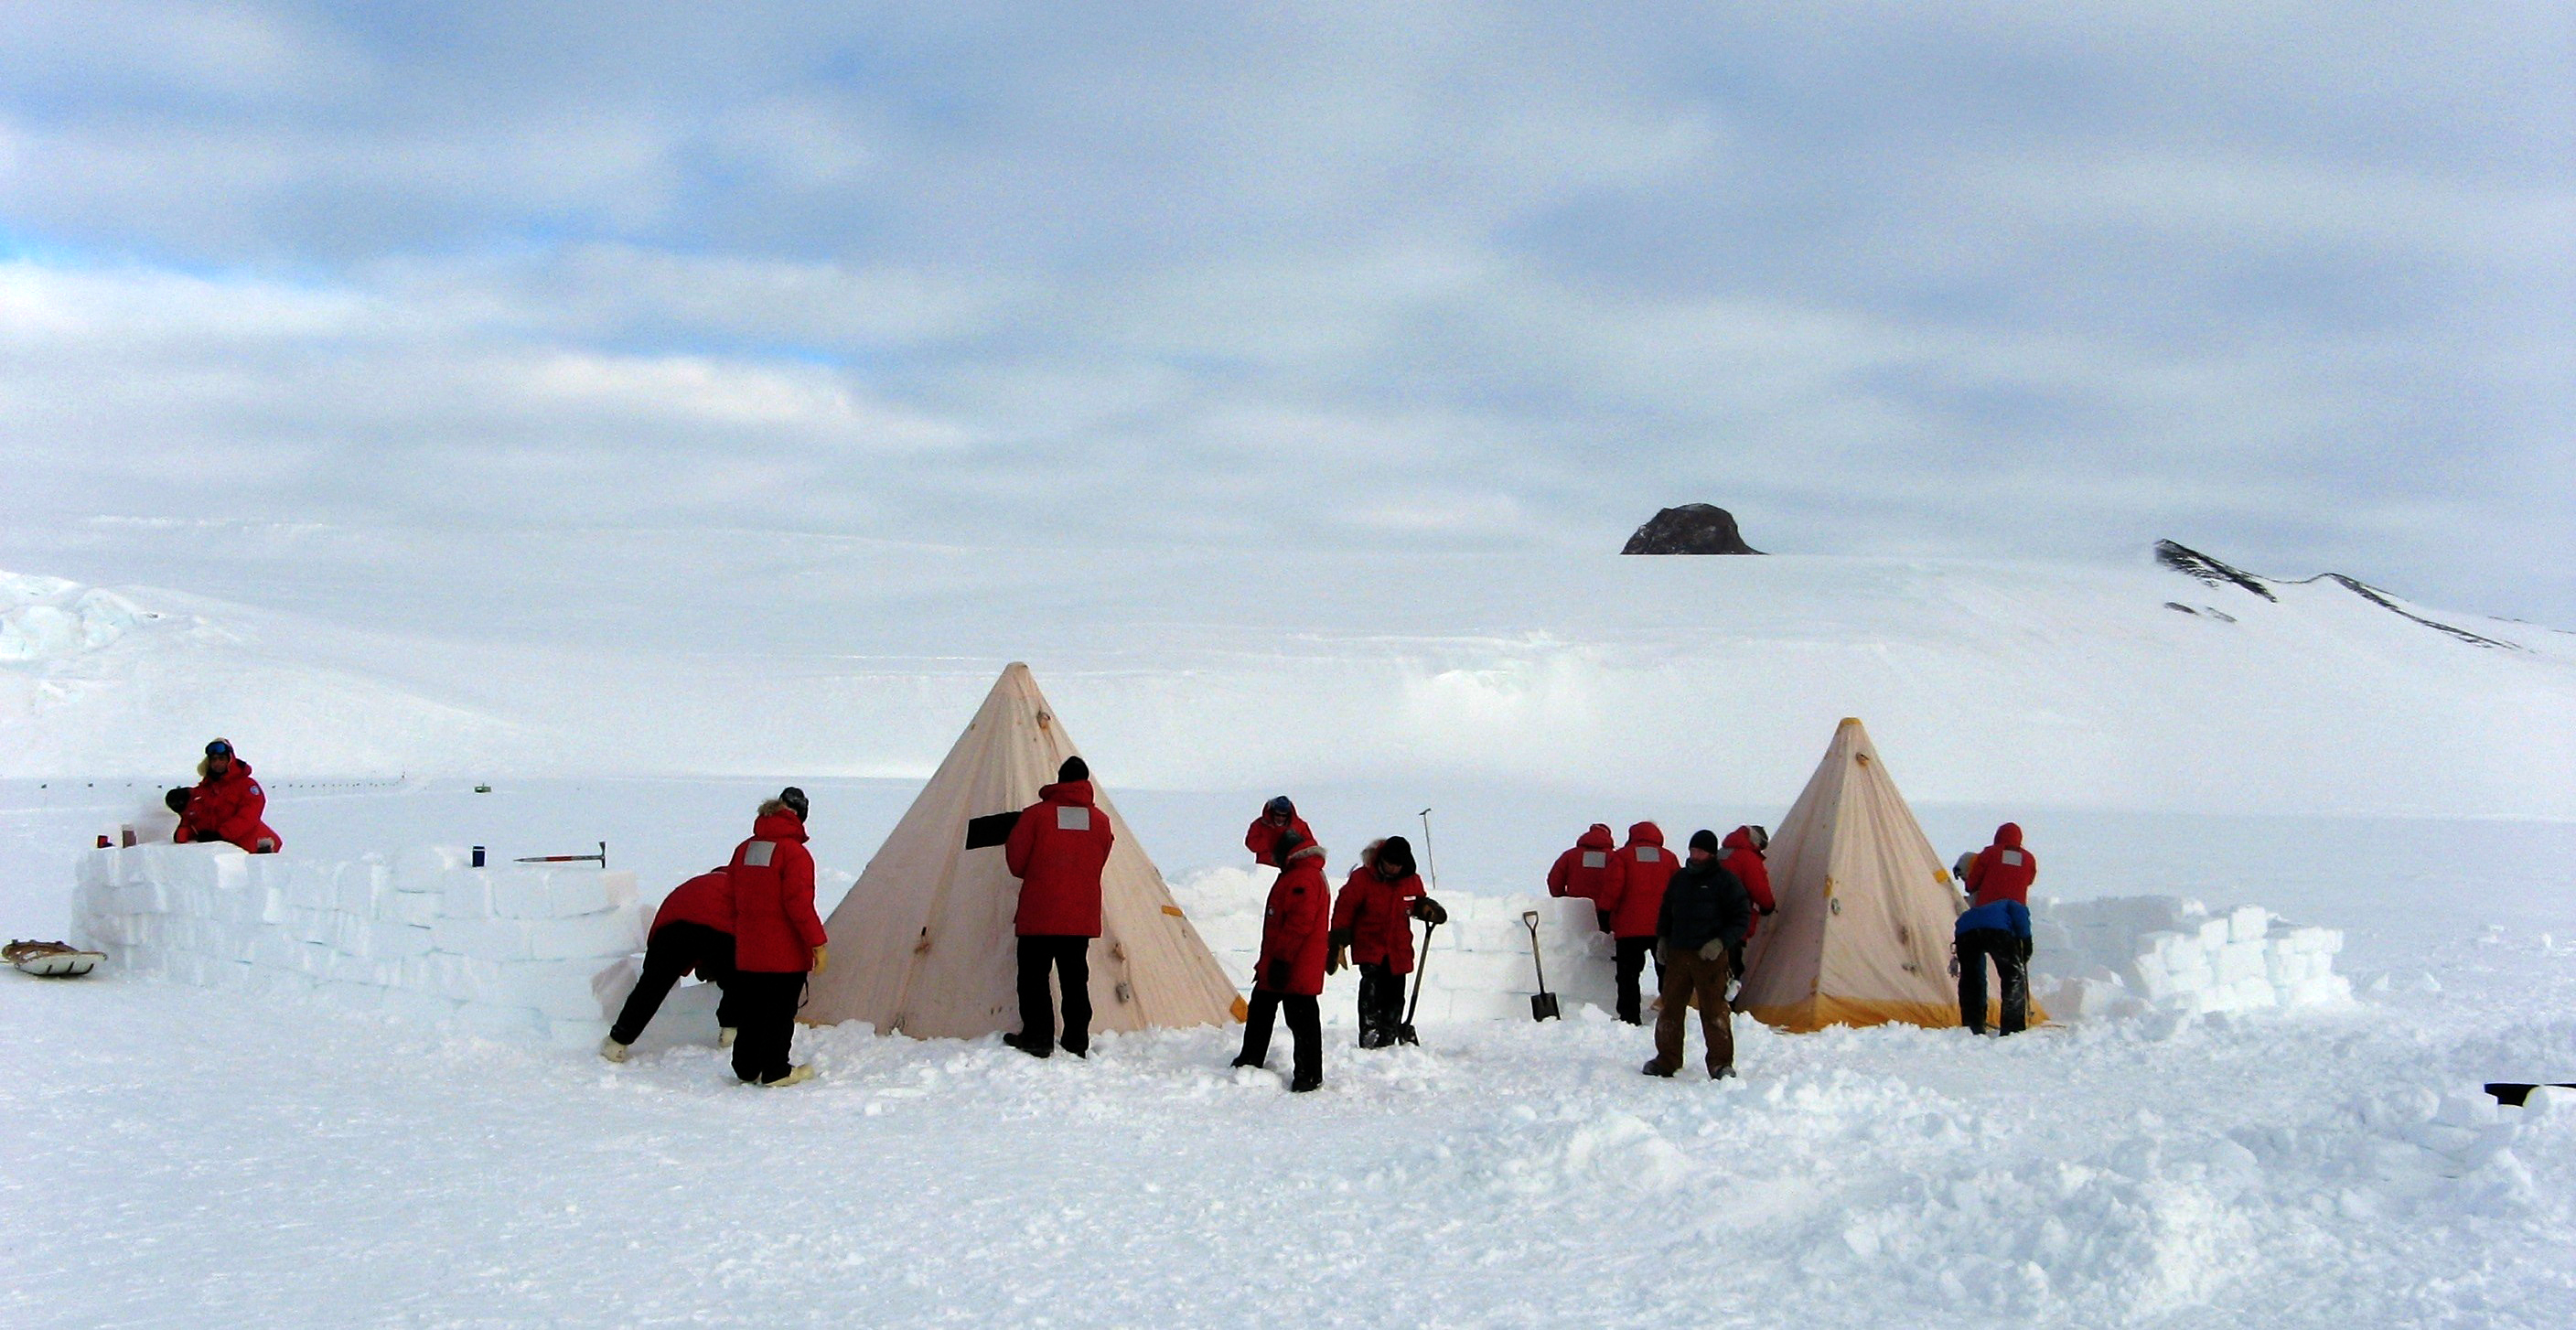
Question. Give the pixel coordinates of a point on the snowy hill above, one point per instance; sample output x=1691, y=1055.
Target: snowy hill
x=326, y=650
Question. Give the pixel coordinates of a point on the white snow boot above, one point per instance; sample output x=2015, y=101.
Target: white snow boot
x=796, y=1075
x=613, y=1050
x=724, y=1036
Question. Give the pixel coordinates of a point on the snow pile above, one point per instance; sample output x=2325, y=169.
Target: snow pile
x=2134, y=954
x=506, y=952
x=48, y=618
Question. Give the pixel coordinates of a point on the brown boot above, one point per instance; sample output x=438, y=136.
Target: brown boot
x=1658, y=1067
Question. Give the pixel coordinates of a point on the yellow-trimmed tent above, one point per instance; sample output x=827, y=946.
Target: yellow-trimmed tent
x=1866, y=909
x=923, y=943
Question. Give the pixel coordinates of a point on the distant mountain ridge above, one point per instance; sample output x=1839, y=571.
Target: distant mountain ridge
x=2218, y=573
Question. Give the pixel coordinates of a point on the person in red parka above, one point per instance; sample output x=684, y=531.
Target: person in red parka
x=1295, y=939
x=1057, y=849
x=692, y=931
x=1996, y=927
x=1262, y=837
x=1634, y=897
x=227, y=805
x=1584, y=870
x=1742, y=856
x=1373, y=925
x=777, y=940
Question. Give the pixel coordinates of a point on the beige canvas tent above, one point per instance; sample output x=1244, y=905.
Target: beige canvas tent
x=1862, y=935
x=923, y=943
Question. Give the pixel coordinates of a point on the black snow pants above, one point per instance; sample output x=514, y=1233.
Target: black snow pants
x=2012, y=961
x=764, y=1008
x=674, y=950
x=1381, y=1005
x=1070, y=959
x=1304, y=1021
x=1632, y=955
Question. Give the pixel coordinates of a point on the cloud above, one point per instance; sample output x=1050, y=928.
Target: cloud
x=1973, y=279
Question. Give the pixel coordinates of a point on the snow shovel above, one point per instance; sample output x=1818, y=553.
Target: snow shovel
x=1404, y=1033
x=1543, y=1006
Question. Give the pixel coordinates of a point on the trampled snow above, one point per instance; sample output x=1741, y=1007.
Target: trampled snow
x=2317, y=765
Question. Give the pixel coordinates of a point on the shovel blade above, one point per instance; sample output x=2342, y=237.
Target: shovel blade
x=1543, y=1007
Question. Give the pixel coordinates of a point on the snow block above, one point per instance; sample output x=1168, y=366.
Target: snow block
x=573, y=892
x=465, y=893
x=417, y=908
x=612, y=933
x=394, y=941
x=519, y=893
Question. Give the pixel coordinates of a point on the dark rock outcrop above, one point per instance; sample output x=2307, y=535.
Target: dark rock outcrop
x=1693, y=528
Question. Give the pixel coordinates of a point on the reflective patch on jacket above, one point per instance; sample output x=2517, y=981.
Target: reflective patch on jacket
x=756, y=854
x=1596, y=858
x=1072, y=817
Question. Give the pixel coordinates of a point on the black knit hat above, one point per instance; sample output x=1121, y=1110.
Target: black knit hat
x=1704, y=839
x=1074, y=769
x=794, y=798
x=1289, y=843
x=1397, y=853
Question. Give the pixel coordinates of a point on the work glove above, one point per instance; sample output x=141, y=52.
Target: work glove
x=1604, y=917
x=820, y=955
x=1713, y=950
x=1428, y=911
x=1277, y=976
x=1336, y=959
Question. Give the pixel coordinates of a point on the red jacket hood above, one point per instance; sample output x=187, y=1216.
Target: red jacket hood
x=1598, y=838
x=2009, y=835
x=1067, y=792
x=778, y=826
x=1741, y=839
x=239, y=770
x=1645, y=833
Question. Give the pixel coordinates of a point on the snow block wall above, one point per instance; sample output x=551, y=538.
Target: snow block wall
x=2136, y=954
x=1478, y=967
x=507, y=952
x=2092, y=960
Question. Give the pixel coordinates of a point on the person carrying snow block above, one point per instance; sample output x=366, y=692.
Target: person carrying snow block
x=1633, y=895
x=692, y=931
x=1703, y=918
x=1262, y=837
x=777, y=940
x=1581, y=872
x=1742, y=856
x=1373, y=924
x=1295, y=939
x=1996, y=927
x=226, y=805
x=1057, y=850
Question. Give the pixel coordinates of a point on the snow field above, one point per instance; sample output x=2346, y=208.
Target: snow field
x=46, y=618
x=507, y=952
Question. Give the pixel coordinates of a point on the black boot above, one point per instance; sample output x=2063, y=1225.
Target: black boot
x=1305, y=1083
x=1033, y=1048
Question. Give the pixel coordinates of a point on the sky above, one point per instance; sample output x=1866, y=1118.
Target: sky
x=2293, y=284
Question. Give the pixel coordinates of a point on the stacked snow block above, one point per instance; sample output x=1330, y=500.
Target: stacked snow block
x=1478, y=967
x=506, y=952
x=2137, y=954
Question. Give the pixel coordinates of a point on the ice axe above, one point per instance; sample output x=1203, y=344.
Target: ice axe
x=600, y=858
x=1543, y=1006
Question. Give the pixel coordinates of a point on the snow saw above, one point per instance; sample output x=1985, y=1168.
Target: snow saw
x=1543, y=1004
x=51, y=960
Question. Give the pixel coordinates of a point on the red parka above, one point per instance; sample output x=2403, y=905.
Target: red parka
x=1585, y=869
x=706, y=900
x=228, y=809
x=1262, y=838
x=1634, y=895
x=1379, y=915
x=1057, y=850
x=1296, y=927
x=775, y=930
x=1745, y=862
x=2004, y=870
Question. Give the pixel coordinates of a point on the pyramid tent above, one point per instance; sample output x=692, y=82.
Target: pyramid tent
x=1866, y=909
x=923, y=942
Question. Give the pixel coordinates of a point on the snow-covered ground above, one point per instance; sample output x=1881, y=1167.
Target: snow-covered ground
x=184, y=1157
